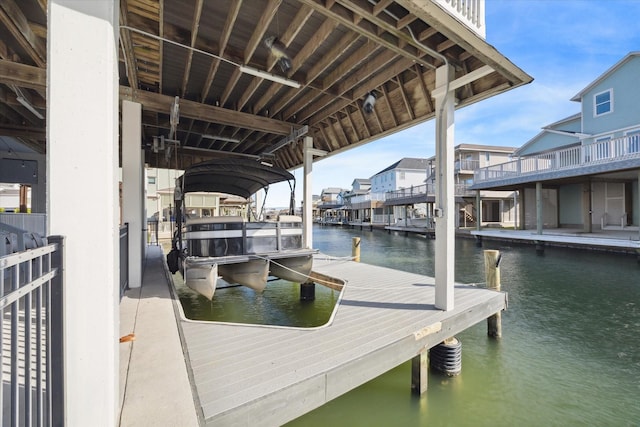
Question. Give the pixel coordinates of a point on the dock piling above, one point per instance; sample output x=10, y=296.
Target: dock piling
x=307, y=291
x=492, y=276
x=420, y=372
x=355, y=249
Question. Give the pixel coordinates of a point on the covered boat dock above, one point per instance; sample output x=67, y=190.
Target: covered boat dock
x=265, y=375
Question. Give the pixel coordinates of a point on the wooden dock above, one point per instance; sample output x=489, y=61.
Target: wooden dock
x=264, y=376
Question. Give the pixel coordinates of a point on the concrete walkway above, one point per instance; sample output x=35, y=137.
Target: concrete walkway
x=154, y=385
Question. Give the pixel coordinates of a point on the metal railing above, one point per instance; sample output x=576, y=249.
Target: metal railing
x=124, y=258
x=32, y=222
x=426, y=189
x=627, y=147
x=31, y=336
x=467, y=165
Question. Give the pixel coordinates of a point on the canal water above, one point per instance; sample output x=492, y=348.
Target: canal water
x=569, y=355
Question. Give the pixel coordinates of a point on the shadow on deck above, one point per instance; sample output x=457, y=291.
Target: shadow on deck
x=229, y=374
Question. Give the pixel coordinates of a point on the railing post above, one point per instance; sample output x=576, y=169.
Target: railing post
x=55, y=340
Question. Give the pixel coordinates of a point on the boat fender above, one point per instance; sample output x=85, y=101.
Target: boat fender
x=172, y=260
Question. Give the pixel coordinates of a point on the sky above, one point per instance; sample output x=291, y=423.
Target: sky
x=563, y=44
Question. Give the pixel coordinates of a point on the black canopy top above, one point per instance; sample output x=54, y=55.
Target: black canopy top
x=240, y=177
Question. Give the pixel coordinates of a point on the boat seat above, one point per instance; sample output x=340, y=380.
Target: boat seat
x=289, y=218
x=214, y=219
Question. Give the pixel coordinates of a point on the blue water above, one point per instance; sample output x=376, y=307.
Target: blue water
x=569, y=354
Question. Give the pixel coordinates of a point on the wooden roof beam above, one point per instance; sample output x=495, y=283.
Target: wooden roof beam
x=369, y=26
x=392, y=113
x=304, y=13
x=423, y=87
x=386, y=74
x=127, y=47
x=362, y=75
x=407, y=104
x=232, y=16
x=391, y=26
x=196, y=110
x=195, y=25
x=18, y=25
x=342, y=133
x=333, y=55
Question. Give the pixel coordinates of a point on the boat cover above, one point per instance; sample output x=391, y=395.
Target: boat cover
x=240, y=177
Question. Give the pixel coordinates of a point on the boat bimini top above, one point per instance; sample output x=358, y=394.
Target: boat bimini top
x=239, y=177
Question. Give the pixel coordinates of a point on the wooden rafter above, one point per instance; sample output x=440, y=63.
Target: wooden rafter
x=342, y=133
x=304, y=13
x=385, y=97
x=369, y=28
x=232, y=16
x=15, y=21
x=127, y=47
x=195, y=25
x=407, y=104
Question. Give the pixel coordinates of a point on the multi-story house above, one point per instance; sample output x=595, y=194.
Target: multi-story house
x=358, y=202
x=582, y=171
x=413, y=206
x=331, y=206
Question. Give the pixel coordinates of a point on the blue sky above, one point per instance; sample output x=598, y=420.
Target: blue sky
x=563, y=44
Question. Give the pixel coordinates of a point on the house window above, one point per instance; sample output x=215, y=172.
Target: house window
x=487, y=156
x=401, y=175
x=151, y=180
x=603, y=103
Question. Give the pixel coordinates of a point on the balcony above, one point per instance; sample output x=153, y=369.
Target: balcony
x=469, y=12
x=598, y=157
x=466, y=165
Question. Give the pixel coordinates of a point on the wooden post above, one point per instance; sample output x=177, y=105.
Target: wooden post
x=420, y=372
x=492, y=277
x=307, y=291
x=355, y=249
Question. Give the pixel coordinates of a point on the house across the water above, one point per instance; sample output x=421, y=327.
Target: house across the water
x=581, y=172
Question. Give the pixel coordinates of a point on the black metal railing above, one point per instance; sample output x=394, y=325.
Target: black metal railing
x=124, y=258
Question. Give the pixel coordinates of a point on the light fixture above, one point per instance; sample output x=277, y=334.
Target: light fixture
x=243, y=68
x=29, y=107
x=278, y=50
x=222, y=138
x=273, y=77
x=369, y=102
x=263, y=163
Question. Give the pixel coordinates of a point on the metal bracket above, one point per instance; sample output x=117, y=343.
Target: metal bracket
x=292, y=137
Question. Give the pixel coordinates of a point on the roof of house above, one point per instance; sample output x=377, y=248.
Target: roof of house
x=332, y=190
x=606, y=74
x=407, y=163
x=362, y=181
x=483, y=148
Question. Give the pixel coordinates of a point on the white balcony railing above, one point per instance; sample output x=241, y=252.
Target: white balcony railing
x=368, y=197
x=627, y=147
x=470, y=12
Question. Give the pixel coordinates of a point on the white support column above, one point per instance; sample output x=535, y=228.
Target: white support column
x=307, y=196
x=445, y=201
x=133, y=188
x=638, y=207
x=539, y=219
x=82, y=198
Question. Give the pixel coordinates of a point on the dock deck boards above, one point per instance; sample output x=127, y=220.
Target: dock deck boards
x=262, y=375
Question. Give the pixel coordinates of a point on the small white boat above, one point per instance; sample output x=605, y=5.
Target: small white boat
x=238, y=251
